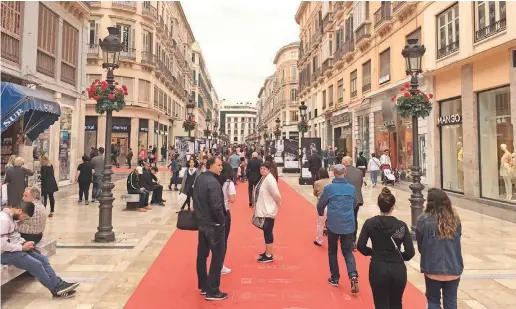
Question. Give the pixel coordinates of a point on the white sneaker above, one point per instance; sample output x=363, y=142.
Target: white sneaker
x=225, y=270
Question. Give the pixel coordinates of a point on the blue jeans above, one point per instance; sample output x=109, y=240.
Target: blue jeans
x=374, y=176
x=433, y=293
x=95, y=194
x=36, y=264
x=346, y=245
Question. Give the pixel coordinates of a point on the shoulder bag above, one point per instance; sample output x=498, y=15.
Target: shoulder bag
x=187, y=221
x=258, y=221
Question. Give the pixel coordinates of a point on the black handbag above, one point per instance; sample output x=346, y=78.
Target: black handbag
x=187, y=221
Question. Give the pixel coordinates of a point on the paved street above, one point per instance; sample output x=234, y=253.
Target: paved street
x=109, y=273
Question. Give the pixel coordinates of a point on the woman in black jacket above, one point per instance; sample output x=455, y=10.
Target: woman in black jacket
x=188, y=181
x=387, y=271
x=48, y=183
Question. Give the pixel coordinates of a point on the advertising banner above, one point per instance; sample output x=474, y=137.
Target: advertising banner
x=185, y=147
x=291, y=153
x=275, y=147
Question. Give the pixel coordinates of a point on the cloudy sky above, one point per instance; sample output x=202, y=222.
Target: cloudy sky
x=239, y=40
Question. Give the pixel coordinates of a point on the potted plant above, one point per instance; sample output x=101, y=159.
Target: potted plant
x=207, y=132
x=107, y=97
x=189, y=125
x=302, y=126
x=410, y=104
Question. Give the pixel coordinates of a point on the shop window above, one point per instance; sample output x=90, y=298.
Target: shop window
x=497, y=158
x=448, y=31
x=452, y=168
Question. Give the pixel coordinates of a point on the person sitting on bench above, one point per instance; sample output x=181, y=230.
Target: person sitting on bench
x=134, y=187
x=150, y=182
x=31, y=229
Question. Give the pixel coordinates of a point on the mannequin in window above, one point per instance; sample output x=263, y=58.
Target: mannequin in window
x=460, y=166
x=505, y=171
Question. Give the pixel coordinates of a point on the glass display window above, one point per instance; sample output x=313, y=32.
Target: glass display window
x=450, y=124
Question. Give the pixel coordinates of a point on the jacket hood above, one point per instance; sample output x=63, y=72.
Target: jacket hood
x=387, y=225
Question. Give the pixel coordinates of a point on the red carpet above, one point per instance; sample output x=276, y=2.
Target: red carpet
x=297, y=279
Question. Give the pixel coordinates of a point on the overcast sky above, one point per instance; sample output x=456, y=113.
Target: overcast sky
x=239, y=40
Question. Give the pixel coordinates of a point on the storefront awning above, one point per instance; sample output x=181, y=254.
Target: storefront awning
x=38, y=110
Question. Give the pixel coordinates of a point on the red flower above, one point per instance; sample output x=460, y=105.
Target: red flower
x=430, y=95
x=104, y=87
x=393, y=98
x=116, y=83
x=426, y=100
x=124, y=87
x=126, y=93
x=402, y=89
x=406, y=95
x=111, y=96
x=97, y=97
x=406, y=85
x=96, y=81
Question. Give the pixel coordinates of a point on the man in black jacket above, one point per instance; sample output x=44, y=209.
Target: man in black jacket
x=253, y=175
x=150, y=182
x=133, y=187
x=210, y=212
x=314, y=164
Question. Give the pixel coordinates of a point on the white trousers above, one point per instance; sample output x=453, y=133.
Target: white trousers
x=321, y=220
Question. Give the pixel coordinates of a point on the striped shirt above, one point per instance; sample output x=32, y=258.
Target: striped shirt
x=36, y=223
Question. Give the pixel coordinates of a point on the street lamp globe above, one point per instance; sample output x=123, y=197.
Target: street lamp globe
x=190, y=105
x=111, y=47
x=278, y=122
x=302, y=110
x=413, y=54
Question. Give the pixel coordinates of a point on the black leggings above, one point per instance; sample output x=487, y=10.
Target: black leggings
x=84, y=190
x=268, y=226
x=388, y=282
x=226, y=232
x=189, y=196
x=50, y=197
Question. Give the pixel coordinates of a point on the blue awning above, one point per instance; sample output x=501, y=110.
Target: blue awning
x=38, y=110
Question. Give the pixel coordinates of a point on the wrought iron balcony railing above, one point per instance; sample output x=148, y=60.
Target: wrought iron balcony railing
x=382, y=14
x=490, y=30
x=448, y=49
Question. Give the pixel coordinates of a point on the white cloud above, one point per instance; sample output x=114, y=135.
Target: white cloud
x=239, y=40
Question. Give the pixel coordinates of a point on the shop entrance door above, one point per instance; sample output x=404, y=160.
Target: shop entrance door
x=124, y=147
x=393, y=149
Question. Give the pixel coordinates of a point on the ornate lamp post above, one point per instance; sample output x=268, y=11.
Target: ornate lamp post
x=208, y=130
x=302, y=115
x=278, y=130
x=190, y=106
x=413, y=53
x=111, y=47
x=215, y=131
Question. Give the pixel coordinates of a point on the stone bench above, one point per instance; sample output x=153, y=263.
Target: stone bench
x=45, y=246
x=132, y=201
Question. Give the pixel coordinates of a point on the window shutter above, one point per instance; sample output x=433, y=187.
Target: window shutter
x=133, y=37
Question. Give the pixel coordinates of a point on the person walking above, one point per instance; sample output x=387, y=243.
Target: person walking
x=326, y=158
x=229, y=191
x=314, y=164
x=210, y=213
x=48, y=184
x=361, y=164
x=234, y=160
x=438, y=235
x=164, y=153
x=142, y=155
x=340, y=198
x=374, y=169
x=356, y=178
x=129, y=157
x=323, y=179
x=387, y=270
x=188, y=182
x=253, y=175
x=98, y=164
x=331, y=156
x=84, y=178
x=267, y=200
x=175, y=168
x=15, y=178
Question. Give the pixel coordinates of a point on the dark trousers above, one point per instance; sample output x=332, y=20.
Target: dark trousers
x=388, y=281
x=235, y=175
x=144, y=197
x=314, y=176
x=325, y=163
x=84, y=190
x=174, y=179
x=36, y=238
x=346, y=245
x=356, y=221
x=128, y=162
x=157, y=194
x=189, y=196
x=95, y=194
x=50, y=197
x=211, y=239
x=226, y=233
x=449, y=290
x=251, y=186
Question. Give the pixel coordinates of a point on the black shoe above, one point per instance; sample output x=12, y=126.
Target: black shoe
x=176, y=189
x=203, y=292
x=333, y=282
x=317, y=244
x=64, y=295
x=163, y=201
x=265, y=259
x=161, y=204
x=170, y=188
x=354, y=285
x=216, y=296
x=65, y=287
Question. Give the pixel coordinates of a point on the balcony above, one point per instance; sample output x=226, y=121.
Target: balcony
x=448, y=49
x=160, y=25
x=148, y=58
x=353, y=94
x=93, y=51
x=366, y=87
x=129, y=54
x=402, y=7
x=149, y=11
x=344, y=52
x=363, y=35
x=327, y=65
x=383, y=17
x=490, y=30
x=338, y=8
x=316, y=37
x=328, y=20
x=125, y=5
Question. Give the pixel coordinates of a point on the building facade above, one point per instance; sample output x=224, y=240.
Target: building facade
x=470, y=64
x=278, y=96
x=155, y=65
x=237, y=120
x=350, y=67
x=42, y=48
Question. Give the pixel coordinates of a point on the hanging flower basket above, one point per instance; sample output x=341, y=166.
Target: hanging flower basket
x=418, y=104
x=215, y=134
x=277, y=133
x=108, y=98
x=207, y=132
x=189, y=125
x=302, y=126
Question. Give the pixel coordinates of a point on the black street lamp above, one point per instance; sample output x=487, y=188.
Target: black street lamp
x=278, y=130
x=111, y=47
x=215, y=130
x=302, y=115
x=190, y=106
x=413, y=53
x=208, y=123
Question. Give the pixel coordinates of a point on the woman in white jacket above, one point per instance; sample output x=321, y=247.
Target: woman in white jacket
x=267, y=200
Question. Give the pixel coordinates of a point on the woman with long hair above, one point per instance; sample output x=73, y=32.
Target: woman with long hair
x=438, y=234
x=267, y=200
x=229, y=191
x=10, y=163
x=387, y=270
x=188, y=181
x=48, y=183
x=323, y=179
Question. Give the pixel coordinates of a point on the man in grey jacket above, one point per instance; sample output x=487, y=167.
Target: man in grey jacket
x=356, y=178
x=24, y=255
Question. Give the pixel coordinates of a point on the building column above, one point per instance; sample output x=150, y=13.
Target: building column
x=101, y=131
x=133, y=139
x=470, y=132
x=434, y=141
x=150, y=133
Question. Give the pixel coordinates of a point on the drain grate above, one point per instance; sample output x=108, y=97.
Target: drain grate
x=92, y=247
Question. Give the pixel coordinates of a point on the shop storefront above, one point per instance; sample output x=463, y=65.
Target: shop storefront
x=65, y=140
x=496, y=153
x=120, y=135
x=90, y=136
x=342, y=133
x=362, y=136
x=451, y=145
x=143, y=133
